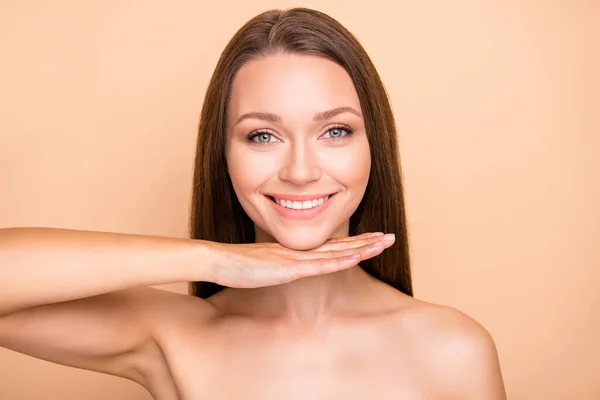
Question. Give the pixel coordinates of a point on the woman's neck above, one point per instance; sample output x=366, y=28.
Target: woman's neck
x=308, y=300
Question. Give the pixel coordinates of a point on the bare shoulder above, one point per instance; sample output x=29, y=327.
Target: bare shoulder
x=171, y=311
x=455, y=351
x=443, y=325
x=168, y=315
x=118, y=333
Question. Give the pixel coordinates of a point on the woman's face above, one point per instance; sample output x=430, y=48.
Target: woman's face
x=296, y=136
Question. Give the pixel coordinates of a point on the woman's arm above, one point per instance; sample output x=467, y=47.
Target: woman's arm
x=45, y=265
x=78, y=298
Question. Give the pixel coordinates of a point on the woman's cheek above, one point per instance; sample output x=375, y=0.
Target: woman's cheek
x=350, y=165
x=248, y=169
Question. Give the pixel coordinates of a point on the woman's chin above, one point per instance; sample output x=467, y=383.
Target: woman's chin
x=302, y=242
x=301, y=237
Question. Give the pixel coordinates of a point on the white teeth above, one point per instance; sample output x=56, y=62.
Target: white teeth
x=301, y=205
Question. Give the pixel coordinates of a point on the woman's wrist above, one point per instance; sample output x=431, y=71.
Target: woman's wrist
x=199, y=261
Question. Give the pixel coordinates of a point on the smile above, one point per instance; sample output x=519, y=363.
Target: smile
x=299, y=206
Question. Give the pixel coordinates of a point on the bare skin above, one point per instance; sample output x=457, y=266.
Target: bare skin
x=300, y=319
x=377, y=343
x=391, y=347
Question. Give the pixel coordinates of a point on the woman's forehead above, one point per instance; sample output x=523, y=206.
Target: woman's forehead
x=291, y=83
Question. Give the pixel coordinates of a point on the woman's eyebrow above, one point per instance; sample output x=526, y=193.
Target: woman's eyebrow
x=318, y=117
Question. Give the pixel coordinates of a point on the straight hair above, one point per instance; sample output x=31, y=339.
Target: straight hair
x=215, y=212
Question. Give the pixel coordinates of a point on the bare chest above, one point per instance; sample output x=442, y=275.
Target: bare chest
x=261, y=365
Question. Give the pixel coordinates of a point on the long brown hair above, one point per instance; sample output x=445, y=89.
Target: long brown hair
x=216, y=213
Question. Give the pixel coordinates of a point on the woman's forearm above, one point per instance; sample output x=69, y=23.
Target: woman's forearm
x=46, y=265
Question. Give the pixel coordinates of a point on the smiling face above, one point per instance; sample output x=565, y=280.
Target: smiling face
x=297, y=150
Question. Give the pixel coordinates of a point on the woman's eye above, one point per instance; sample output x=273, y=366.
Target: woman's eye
x=263, y=137
x=338, y=132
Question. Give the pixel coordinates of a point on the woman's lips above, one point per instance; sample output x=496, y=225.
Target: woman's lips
x=301, y=214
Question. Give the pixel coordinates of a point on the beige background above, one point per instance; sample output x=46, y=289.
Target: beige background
x=497, y=104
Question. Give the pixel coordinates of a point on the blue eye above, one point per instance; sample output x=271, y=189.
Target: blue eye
x=339, y=132
x=262, y=137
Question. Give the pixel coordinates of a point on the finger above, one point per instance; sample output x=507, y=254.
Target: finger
x=366, y=251
x=351, y=238
x=356, y=243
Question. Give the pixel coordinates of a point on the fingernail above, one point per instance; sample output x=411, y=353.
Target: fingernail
x=389, y=236
x=375, y=234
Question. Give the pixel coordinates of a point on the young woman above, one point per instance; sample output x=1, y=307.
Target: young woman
x=296, y=291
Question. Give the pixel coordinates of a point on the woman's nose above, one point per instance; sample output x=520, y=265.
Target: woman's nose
x=301, y=165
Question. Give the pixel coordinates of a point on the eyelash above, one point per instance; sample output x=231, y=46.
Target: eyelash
x=349, y=131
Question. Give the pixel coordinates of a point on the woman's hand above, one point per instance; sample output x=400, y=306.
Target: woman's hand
x=266, y=264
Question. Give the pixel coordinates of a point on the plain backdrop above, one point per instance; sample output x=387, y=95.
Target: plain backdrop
x=497, y=105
